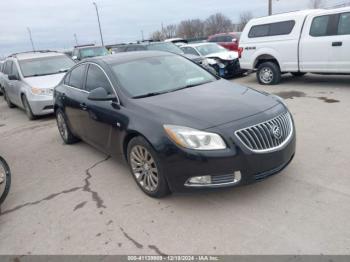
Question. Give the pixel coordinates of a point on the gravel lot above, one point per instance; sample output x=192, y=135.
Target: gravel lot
x=73, y=200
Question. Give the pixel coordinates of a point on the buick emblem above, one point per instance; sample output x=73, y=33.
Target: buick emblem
x=276, y=131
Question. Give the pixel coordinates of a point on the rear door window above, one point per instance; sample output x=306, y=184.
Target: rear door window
x=344, y=24
x=76, y=78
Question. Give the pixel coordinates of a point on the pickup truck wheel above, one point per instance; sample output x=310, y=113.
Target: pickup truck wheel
x=269, y=73
x=298, y=74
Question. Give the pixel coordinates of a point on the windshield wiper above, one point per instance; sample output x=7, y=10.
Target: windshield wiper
x=150, y=94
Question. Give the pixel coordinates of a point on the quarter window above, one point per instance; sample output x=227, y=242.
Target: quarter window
x=96, y=78
x=76, y=77
x=344, y=24
x=8, y=68
x=274, y=29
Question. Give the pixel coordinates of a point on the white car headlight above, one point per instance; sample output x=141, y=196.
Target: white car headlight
x=211, y=61
x=194, y=139
x=42, y=91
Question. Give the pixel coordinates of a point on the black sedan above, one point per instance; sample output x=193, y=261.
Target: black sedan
x=179, y=127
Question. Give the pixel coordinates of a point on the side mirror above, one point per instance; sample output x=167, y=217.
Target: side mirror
x=235, y=40
x=100, y=94
x=13, y=77
x=74, y=57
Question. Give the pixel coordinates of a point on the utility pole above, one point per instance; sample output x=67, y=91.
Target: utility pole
x=142, y=35
x=270, y=7
x=30, y=37
x=76, y=39
x=99, y=23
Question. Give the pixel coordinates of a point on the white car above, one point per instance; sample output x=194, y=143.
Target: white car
x=309, y=41
x=225, y=62
x=31, y=78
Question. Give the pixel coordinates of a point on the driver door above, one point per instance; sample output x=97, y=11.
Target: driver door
x=104, y=122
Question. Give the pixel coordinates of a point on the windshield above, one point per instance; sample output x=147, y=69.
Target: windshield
x=93, y=51
x=45, y=65
x=210, y=49
x=168, y=47
x=160, y=74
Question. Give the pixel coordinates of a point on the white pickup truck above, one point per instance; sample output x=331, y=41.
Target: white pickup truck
x=309, y=41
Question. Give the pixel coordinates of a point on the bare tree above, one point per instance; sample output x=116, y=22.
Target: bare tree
x=157, y=36
x=191, y=28
x=169, y=31
x=244, y=19
x=315, y=4
x=218, y=23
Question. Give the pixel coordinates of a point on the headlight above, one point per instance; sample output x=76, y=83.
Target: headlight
x=194, y=139
x=42, y=91
x=210, y=61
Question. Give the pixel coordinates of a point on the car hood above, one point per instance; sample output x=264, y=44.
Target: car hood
x=48, y=81
x=229, y=55
x=208, y=105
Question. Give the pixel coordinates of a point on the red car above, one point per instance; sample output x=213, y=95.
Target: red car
x=228, y=40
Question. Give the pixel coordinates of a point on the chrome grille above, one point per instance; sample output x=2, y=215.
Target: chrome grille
x=267, y=136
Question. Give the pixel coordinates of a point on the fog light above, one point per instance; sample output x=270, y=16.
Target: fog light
x=200, y=180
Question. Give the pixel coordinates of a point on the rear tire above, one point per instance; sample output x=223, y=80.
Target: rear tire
x=268, y=73
x=298, y=74
x=63, y=128
x=7, y=99
x=146, y=168
x=27, y=108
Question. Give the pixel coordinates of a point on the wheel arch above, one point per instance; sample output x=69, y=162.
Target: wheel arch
x=265, y=58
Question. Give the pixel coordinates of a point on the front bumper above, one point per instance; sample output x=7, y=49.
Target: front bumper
x=230, y=69
x=182, y=164
x=41, y=105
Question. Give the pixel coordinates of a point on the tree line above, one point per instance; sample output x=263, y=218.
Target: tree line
x=198, y=28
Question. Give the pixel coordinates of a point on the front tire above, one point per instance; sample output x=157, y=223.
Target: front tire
x=146, y=168
x=7, y=99
x=63, y=128
x=27, y=108
x=5, y=180
x=269, y=73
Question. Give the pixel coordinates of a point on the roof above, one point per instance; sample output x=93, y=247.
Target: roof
x=37, y=54
x=200, y=44
x=88, y=47
x=284, y=16
x=128, y=56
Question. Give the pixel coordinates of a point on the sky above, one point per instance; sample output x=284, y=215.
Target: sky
x=53, y=23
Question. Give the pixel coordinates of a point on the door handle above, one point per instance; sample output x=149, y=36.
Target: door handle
x=83, y=106
x=337, y=43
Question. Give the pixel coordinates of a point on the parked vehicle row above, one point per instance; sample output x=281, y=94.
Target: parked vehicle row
x=166, y=47
x=179, y=127
x=311, y=41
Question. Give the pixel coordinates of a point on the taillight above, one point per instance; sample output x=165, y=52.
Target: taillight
x=240, y=51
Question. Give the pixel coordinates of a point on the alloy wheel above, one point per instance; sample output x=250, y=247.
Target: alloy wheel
x=266, y=75
x=62, y=126
x=144, y=168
